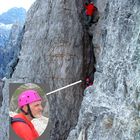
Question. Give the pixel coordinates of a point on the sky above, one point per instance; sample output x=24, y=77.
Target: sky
x=7, y=4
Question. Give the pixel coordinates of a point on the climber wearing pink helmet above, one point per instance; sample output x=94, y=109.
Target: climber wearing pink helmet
x=29, y=102
x=27, y=97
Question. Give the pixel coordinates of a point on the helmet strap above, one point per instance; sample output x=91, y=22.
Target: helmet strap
x=26, y=113
x=29, y=111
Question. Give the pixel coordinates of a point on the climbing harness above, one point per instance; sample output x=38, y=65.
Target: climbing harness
x=13, y=120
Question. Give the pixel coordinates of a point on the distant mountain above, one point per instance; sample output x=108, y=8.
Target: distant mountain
x=11, y=50
x=7, y=19
x=11, y=23
x=4, y=33
x=13, y=15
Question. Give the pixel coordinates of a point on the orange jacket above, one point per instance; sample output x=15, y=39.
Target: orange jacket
x=23, y=130
x=90, y=9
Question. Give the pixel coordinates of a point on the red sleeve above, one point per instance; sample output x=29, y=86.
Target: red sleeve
x=23, y=131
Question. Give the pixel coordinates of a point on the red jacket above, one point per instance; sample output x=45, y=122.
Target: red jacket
x=90, y=9
x=23, y=130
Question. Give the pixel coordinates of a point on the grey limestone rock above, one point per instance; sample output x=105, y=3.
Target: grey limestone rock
x=110, y=109
x=51, y=53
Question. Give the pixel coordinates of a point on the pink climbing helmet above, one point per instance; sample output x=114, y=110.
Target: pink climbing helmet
x=27, y=97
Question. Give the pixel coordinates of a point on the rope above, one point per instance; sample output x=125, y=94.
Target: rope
x=64, y=87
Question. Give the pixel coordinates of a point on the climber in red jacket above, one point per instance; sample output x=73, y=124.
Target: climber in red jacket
x=88, y=82
x=89, y=12
x=29, y=103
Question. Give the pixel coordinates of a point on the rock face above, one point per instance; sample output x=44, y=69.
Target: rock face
x=1, y=87
x=13, y=49
x=52, y=53
x=110, y=110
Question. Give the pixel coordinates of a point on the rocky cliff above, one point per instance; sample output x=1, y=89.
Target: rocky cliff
x=110, y=110
x=53, y=52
